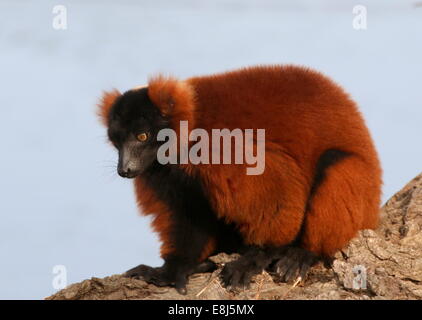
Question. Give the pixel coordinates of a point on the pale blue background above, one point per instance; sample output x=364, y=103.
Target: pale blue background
x=61, y=200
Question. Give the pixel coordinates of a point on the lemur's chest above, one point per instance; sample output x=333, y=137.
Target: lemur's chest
x=170, y=188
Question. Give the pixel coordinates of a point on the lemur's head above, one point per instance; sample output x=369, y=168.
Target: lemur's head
x=133, y=120
x=133, y=125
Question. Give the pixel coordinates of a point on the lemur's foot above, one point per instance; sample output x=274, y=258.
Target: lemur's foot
x=170, y=274
x=295, y=262
x=149, y=274
x=238, y=273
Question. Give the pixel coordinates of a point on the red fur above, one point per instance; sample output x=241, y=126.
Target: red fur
x=174, y=98
x=304, y=114
x=106, y=102
x=161, y=220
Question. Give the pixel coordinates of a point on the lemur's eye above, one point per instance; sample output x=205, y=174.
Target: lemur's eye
x=142, y=137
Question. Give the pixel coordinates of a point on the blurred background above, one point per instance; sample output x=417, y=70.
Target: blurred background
x=62, y=203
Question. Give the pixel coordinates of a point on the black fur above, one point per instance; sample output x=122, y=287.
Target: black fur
x=287, y=262
x=193, y=216
x=193, y=223
x=134, y=113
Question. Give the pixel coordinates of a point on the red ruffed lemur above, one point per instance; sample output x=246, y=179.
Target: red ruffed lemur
x=321, y=183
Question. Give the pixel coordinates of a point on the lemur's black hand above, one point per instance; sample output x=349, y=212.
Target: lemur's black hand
x=174, y=272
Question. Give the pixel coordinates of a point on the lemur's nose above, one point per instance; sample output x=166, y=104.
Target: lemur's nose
x=124, y=172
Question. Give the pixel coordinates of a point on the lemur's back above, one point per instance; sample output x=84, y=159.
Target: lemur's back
x=292, y=103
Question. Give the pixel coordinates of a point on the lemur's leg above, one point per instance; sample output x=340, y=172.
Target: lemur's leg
x=188, y=227
x=282, y=228
x=332, y=218
x=185, y=252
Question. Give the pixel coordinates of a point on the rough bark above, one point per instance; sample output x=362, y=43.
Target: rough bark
x=390, y=258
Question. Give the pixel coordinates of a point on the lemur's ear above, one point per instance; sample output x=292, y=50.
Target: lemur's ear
x=173, y=97
x=105, y=104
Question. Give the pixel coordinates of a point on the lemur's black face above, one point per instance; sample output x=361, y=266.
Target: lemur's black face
x=134, y=123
